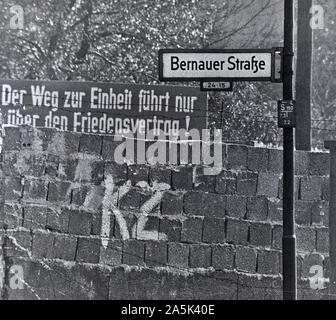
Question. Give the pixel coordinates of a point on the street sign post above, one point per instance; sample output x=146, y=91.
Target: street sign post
x=287, y=114
x=216, y=86
x=218, y=65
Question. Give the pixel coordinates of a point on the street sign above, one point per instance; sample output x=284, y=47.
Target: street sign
x=218, y=65
x=102, y=108
x=286, y=114
x=216, y=86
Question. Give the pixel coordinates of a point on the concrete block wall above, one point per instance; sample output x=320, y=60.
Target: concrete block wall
x=84, y=227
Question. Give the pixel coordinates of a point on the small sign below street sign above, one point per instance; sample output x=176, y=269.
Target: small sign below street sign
x=218, y=65
x=286, y=114
x=216, y=86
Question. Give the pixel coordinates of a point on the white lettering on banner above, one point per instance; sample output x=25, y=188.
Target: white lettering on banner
x=102, y=108
x=11, y=96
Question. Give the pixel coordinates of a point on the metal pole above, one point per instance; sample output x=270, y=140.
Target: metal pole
x=288, y=240
x=331, y=145
x=304, y=75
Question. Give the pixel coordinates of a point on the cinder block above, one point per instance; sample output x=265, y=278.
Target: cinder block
x=192, y=230
x=311, y=188
x=94, y=198
x=51, y=168
x=59, y=192
x=246, y=259
x=88, y=170
x=275, y=160
x=12, y=139
x=193, y=203
x=146, y=203
x=320, y=213
x=112, y=255
x=303, y=212
x=172, y=203
x=325, y=188
x=131, y=200
x=277, y=237
x=309, y=261
x=65, y=143
x=204, y=182
x=257, y=208
x=35, y=189
x=117, y=171
x=80, y=222
x=319, y=163
x=12, y=216
x=237, y=231
x=214, y=205
x=58, y=220
x=257, y=159
x=178, y=255
x=9, y=164
x=67, y=169
x=226, y=183
x=42, y=246
x=214, y=230
x=268, y=262
x=64, y=247
x=108, y=148
x=236, y=206
x=268, y=184
x=156, y=254
x=306, y=239
x=223, y=257
x=200, y=256
x=33, y=165
x=134, y=253
x=182, y=178
x=90, y=144
x=171, y=229
x=247, y=184
x=275, y=209
x=131, y=221
x=261, y=234
x=88, y=250
x=18, y=244
x=78, y=195
x=138, y=173
x=301, y=162
x=237, y=156
x=97, y=223
x=35, y=217
x=13, y=188
x=326, y=267
x=160, y=174
x=322, y=240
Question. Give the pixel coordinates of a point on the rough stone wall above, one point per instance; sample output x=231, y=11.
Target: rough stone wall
x=83, y=227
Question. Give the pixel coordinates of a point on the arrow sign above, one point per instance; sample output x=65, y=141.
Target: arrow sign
x=217, y=65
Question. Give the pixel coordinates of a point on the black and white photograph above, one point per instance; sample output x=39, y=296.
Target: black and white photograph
x=167, y=156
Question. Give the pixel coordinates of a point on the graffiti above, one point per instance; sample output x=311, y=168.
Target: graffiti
x=110, y=207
